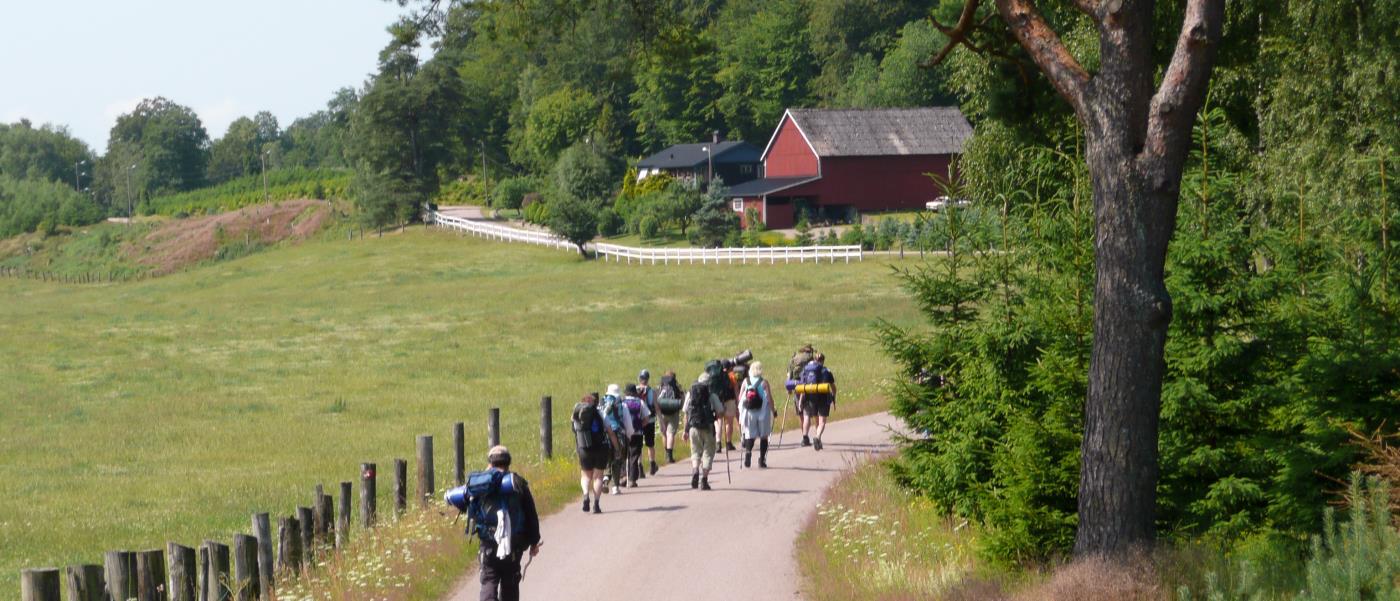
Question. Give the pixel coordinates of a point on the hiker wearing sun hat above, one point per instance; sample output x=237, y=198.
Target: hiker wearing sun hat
x=701, y=407
x=619, y=420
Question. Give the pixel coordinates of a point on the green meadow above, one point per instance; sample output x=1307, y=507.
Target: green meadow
x=172, y=409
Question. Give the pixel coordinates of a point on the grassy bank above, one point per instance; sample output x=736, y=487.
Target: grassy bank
x=171, y=409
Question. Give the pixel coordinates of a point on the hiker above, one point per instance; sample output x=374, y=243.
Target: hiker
x=756, y=414
x=729, y=396
x=594, y=442
x=511, y=526
x=701, y=406
x=648, y=396
x=669, y=401
x=638, y=416
x=816, y=407
x=619, y=421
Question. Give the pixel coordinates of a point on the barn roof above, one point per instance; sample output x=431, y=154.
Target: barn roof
x=767, y=185
x=883, y=132
x=691, y=155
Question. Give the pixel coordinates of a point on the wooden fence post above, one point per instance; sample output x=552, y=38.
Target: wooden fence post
x=201, y=588
x=425, y=470
x=493, y=427
x=245, y=567
x=400, y=486
x=216, y=582
x=322, y=527
x=84, y=583
x=150, y=575
x=342, y=522
x=288, y=546
x=180, y=569
x=547, y=427
x=367, y=494
x=262, y=529
x=327, y=511
x=39, y=585
x=120, y=567
x=459, y=444
x=307, y=520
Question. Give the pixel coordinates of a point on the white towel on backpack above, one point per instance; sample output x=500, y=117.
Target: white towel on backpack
x=503, y=527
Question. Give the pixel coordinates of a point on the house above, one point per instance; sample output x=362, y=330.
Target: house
x=732, y=162
x=837, y=163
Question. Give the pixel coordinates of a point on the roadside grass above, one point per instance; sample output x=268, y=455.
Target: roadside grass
x=172, y=409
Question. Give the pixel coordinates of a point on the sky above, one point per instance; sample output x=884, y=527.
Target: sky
x=81, y=63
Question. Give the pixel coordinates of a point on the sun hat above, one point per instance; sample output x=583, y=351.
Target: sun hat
x=614, y=389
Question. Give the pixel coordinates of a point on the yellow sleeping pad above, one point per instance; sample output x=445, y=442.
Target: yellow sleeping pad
x=823, y=388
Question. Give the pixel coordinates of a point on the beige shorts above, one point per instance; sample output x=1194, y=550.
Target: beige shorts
x=670, y=424
x=731, y=408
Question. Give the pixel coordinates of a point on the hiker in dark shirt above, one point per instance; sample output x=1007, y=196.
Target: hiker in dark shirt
x=500, y=570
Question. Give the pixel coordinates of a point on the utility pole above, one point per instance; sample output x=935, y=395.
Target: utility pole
x=129, y=205
x=77, y=175
x=262, y=158
x=484, y=175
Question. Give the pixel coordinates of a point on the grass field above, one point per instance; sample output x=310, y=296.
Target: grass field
x=173, y=408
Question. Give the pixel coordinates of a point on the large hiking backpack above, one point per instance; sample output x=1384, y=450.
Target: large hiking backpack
x=485, y=494
x=588, y=427
x=667, y=401
x=719, y=380
x=811, y=373
x=702, y=414
x=611, y=413
x=799, y=361
x=634, y=406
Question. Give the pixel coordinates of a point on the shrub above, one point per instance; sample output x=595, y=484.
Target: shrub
x=510, y=192
x=649, y=228
x=609, y=222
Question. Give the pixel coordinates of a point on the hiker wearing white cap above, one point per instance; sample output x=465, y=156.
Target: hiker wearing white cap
x=619, y=420
x=515, y=527
x=669, y=400
x=701, y=407
x=756, y=413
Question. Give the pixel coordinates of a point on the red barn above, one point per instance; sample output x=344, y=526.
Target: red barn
x=837, y=163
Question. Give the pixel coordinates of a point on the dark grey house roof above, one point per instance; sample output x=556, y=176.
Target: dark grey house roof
x=681, y=156
x=883, y=132
x=768, y=185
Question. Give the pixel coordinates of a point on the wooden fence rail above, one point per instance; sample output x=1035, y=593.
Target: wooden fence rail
x=252, y=566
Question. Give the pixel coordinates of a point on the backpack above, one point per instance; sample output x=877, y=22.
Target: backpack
x=486, y=493
x=702, y=414
x=799, y=360
x=753, y=395
x=609, y=406
x=812, y=373
x=719, y=380
x=588, y=427
x=634, y=406
x=667, y=401
x=648, y=395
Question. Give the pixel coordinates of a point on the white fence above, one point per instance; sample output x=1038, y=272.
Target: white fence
x=770, y=255
x=501, y=232
x=653, y=256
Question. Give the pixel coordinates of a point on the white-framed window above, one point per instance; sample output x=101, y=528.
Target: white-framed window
x=738, y=205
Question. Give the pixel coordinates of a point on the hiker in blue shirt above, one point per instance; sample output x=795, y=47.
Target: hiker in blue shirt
x=619, y=421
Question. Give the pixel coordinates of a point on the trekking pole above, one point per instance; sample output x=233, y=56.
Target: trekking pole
x=728, y=471
x=783, y=430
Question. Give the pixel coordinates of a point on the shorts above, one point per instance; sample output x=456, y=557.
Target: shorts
x=816, y=405
x=670, y=424
x=731, y=408
x=594, y=459
x=649, y=435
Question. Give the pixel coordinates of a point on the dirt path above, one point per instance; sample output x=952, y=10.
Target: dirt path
x=644, y=544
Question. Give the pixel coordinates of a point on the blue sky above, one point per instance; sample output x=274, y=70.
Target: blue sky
x=81, y=63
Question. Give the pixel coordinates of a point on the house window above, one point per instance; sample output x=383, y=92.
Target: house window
x=746, y=169
x=738, y=205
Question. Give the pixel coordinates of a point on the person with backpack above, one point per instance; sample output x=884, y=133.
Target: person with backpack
x=638, y=417
x=648, y=396
x=669, y=402
x=701, y=407
x=619, y=420
x=799, y=360
x=502, y=515
x=594, y=442
x=816, y=407
x=756, y=413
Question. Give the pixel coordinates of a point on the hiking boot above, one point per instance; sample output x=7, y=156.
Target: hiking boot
x=817, y=444
x=763, y=461
x=653, y=468
x=729, y=446
x=585, y=504
x=598, y=505
x=705, y=483
x=695, y=479
x=806, y=442
x=748, y=459
x=670, y=456
x=633, y=484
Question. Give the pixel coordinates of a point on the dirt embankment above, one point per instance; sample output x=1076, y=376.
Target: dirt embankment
x=180, y=243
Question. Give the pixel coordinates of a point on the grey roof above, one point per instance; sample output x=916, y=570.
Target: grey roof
x=768, y=185
x=692, y=155
x=883, y=132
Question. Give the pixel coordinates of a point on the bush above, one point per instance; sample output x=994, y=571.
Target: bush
x=470, y=190
x=511, y=191
x=609, y=222
x=649, y=228
x=282, y=184
x=537, y=212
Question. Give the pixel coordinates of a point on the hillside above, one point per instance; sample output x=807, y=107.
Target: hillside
x=259, y=377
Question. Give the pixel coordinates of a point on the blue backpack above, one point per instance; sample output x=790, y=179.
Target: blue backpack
x=485, y=493
x=812, y=373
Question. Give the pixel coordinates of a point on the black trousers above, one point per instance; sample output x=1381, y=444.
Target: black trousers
x=500, y=578
x=634, y=458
